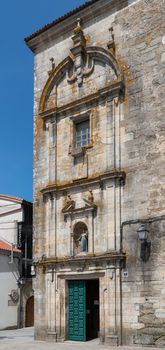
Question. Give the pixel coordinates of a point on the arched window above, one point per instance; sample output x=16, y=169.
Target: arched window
x=80, y=238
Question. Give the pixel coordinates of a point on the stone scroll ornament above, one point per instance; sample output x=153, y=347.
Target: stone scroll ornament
x=83, y=65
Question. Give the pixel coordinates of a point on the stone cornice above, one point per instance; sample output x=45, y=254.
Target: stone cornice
x=79, y=210
x=113, y=255
x=57, y=187
x=114, y=89
x=64, y=24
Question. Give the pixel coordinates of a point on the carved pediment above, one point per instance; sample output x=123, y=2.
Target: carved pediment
x=88, y=204
x=87, y=68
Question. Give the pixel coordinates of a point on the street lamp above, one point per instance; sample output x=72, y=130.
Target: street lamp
x=33, y=270
x=145, y=244
x=142, y=233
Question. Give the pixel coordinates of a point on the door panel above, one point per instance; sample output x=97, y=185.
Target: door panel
x=29, y=322
x=77, y=310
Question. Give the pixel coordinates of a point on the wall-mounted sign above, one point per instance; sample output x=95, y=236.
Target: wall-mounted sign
x=125, y=273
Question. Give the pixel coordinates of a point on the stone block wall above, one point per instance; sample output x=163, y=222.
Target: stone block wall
x=141, y=51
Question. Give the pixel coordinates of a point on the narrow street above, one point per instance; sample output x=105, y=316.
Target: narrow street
x=22, y=339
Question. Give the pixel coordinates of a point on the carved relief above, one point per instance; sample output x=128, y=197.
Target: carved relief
x=83, y=65
x=111, y=42
x=52, y=65
x=70, y=205
x=90, y=196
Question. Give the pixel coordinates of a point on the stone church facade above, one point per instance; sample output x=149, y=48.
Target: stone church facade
x=99, y=213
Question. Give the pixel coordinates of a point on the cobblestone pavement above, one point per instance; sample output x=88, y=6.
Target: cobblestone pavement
x=22, y=339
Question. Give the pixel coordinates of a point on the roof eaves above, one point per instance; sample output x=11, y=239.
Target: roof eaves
x=15, y=251
x=14, y=199
x=8, y=247
x=60, y=19
x=11, y=198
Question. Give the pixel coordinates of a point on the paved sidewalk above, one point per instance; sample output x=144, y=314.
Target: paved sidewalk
x=22, y=339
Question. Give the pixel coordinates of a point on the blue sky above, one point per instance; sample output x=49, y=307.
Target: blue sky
x=18, y=19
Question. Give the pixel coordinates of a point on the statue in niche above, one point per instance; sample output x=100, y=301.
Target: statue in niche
x=80, y=238
x=83, y=239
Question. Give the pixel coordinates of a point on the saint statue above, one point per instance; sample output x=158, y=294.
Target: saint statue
x=90, y=196
x=83, y=242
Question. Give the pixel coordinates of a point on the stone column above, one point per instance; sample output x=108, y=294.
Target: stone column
x=46, y=149
x=111, y=334
x=110, y=216
x=50, y=224
x=71, y=236
x=51, y=304
x=52, y=150
x=110, y=135
x=118, y=304
x=47, y=204
x=61, y=324
x=102, y=304
x=40, y=312
x=91, y=247
x=118, y=115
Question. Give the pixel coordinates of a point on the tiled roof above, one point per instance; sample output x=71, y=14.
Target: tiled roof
x=60, y=19
x=6, y=246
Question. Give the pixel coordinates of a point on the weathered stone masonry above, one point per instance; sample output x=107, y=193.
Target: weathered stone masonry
x=107, y=69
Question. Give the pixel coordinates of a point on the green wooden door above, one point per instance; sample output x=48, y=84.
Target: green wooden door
x=77, y=310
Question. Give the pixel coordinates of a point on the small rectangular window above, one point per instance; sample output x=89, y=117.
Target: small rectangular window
x=82, y=134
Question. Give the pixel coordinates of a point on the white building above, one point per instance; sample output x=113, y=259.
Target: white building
x=15, y=262
x=10, y=293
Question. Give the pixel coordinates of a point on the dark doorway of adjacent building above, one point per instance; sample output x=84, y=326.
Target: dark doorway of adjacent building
x=29, y=322
x=92, y=309
x=83, y=309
